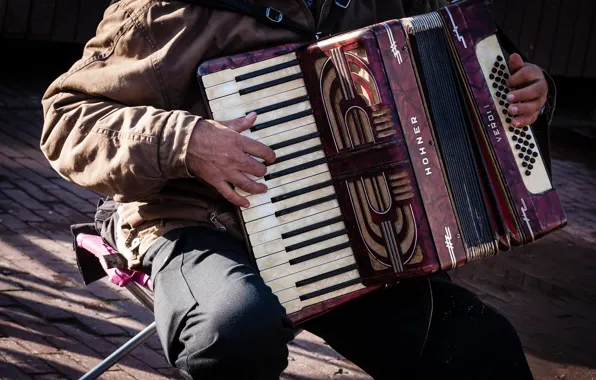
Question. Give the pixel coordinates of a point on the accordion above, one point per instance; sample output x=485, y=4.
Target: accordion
x=396, y=156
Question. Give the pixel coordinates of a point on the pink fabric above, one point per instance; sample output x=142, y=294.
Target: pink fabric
x=120, y=277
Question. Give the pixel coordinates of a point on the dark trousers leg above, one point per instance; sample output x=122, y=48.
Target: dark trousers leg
x=384, y=333
x=215, y=316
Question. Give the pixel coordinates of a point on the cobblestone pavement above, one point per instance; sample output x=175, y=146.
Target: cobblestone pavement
x=52, y=327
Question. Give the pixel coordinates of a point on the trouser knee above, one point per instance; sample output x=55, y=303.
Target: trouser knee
x=241, y=335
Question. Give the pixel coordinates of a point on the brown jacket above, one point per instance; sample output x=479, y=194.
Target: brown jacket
x=119, y=121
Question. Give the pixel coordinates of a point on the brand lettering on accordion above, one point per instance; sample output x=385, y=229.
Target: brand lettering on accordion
x=422, y=150
x=493, y=125
x=388, y=163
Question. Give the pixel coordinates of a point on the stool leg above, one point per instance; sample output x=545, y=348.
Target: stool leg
x=115, y=357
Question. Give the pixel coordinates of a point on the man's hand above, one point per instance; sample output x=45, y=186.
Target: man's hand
x=529, y=91
x=219, y=155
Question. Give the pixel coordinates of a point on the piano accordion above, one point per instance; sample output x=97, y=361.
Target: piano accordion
x=395, y=156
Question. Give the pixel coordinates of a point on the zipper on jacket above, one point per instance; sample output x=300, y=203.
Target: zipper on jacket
x=215, y=222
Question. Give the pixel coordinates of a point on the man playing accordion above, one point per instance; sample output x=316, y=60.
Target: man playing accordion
x=128, y=120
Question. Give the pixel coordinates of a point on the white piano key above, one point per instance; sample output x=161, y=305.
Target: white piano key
x=289, y=134
x=279, y=153
x=294, y=162
x=280, y=128
x=284, y=257
x=297, y=305
x=234, y=113
x=290, y=281
x=266, y=240
x=295, y=293
x=234, y=87
x=222, y=76
x=260, y=99
x=271, y=208
x=273, y=273
x=272, y=221
x=259, y=199
x=276, y=182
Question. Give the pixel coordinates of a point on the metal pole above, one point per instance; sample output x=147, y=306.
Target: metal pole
x=115, y=357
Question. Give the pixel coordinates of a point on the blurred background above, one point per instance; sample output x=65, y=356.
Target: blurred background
x=53, y=327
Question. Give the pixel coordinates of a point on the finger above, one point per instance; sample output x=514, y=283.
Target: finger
x=524, y=120
x=521, y=109
x=226, y=190
x=525, y=76
x=243, y=182
x=257, y=149
x=532, y=92
x=516, y=63
x=251, y=166
x=241, y=124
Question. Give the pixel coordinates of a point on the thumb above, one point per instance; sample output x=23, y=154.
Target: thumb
x=515, y=63
x=242, y=123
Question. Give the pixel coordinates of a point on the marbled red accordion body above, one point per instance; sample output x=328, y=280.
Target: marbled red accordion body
x=390, y=176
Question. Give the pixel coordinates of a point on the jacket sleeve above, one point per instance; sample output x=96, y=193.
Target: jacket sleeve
x=107, y=123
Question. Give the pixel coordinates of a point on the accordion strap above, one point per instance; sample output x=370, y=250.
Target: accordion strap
x=271, y=16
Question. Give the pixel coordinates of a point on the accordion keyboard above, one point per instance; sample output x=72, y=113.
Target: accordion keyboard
x=522, y=140
x=296, y=229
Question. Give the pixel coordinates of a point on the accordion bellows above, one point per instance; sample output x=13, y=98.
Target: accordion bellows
x=395, y=156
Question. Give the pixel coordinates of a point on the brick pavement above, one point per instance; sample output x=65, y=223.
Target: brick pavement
x=52, y=327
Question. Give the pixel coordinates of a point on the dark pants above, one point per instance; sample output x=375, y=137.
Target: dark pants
x=217, y=319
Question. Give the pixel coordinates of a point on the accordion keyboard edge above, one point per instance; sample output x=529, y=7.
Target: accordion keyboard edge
x=368, y=187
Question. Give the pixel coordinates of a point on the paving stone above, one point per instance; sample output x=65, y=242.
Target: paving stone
x=34, y=191
x=24, y=199
x=12, y=222
x=23, y=214
x=11, y=372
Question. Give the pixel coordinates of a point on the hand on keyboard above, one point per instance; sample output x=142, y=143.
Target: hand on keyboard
x=219, y=154
x=530, y=91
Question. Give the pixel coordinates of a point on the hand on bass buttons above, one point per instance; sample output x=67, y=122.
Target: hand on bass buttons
x=219, y=154
x=529, y=91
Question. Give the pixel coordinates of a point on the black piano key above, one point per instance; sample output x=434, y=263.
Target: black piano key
x=295, y=169
x=262, y=86
x=330, y=289
x=267, y=70
x=316, y=240
x=277, y=106
x=312, y=227
x=295, y=140
x=299, y=153
x=302, y=206
x=327, y=275
x=298, y=192
x=281, y=120
x=322, y=252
